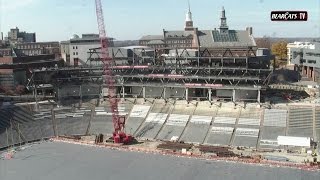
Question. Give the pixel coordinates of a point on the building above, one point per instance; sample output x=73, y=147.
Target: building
x=75, y=51
x=37, y=48
x=65, y=51
x=6, y=52
x=15, y=70
x=306, y=45
x=15, y=36
x=190, y=64
x=193, y=38
x=307, y=60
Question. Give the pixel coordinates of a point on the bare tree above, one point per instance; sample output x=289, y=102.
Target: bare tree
x=264, y=42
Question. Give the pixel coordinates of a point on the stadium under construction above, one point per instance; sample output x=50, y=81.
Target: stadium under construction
x=193, y=93
x=146, y=75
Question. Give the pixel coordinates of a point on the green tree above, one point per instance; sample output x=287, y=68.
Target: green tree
x=279, y=49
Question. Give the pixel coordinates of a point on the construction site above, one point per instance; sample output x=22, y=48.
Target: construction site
x=160, y=109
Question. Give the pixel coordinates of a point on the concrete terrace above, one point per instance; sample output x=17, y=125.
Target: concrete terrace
x=195, y=122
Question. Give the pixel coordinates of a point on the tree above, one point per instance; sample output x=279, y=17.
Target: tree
x=279, y=49
x=263, y=42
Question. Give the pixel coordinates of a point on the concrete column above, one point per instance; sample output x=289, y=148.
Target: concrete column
x=164, y=93
x=54, y=125
x=210, y=94
x=313, y=75
x=234, y=95
x=36, y=97
x=123, y=92
x=80, y=95
x=259, y=96
x=187, y=94
x=314, y=123
x=144, y=92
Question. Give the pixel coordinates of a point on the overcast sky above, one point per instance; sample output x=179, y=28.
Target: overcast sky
x=57, y=20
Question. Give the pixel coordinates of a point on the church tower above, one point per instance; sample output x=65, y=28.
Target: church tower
x=223, y=25
x=189, y=23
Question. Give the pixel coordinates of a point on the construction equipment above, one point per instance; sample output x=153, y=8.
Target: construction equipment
x=119, y=136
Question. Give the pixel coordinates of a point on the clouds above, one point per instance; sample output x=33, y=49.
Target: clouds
x=12, y=5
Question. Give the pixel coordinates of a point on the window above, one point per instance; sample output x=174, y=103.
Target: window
x=76, y=47
x=73, y=47
x=312, y=61
x=74, y=53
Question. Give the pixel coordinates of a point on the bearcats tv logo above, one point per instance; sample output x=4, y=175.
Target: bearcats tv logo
x=289, y=16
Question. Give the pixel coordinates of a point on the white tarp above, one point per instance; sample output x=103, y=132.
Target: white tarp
x=110, y=114
x=157, y=118
x=177, y=120
x=294, y=141
x=139, y=111
x=247, y=132
x=201, y=119
x=225, y=120
x=267, y=142
x=222, y=130
x=249, y=121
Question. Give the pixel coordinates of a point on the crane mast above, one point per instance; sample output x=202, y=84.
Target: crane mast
x=118, y=121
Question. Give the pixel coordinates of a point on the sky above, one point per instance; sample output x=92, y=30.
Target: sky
x=58, y=20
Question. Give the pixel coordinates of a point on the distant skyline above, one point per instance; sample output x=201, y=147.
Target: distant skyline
x=58, y=20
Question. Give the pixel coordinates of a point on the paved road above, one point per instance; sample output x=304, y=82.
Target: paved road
x=59, y=161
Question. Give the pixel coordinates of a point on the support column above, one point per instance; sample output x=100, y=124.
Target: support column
x=210, y=94
x=234, y=95
x=164, y=93
x=259, y=96
x=80, y=95
x=36, y=97
x=54, y=125
x=123, y=92
x=187, y=94
x=314, y=123
x=144, y=92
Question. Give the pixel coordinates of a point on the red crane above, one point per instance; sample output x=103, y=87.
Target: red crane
x=119, y=136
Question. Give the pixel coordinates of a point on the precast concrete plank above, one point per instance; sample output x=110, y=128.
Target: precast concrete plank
x=225, y=120
x=249, y=121
x=102, y=125
x=300, y=132
x=132, y=124
x=177, y=120
x=195, y=132
x=245, y=141
x=275, y=117
x=139, y=111
x=169, y=131
x=219, y=135
x=149, y=130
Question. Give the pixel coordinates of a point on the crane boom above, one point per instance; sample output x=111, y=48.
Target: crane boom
x=118, y=122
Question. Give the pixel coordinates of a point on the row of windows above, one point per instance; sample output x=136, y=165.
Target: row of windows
x=313, y=54
x=312, y=61
x=75, y=53
x=34, y=46
x=179, y=45
x=75, y=47
x=179, y=41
